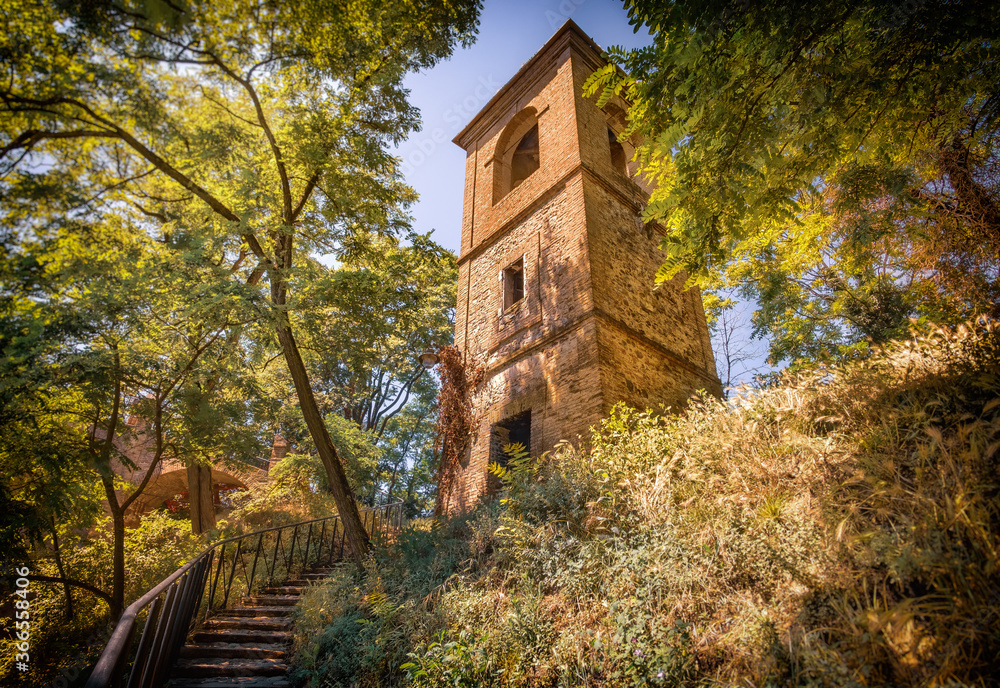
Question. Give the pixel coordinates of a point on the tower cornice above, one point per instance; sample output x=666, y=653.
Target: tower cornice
x=569, y=34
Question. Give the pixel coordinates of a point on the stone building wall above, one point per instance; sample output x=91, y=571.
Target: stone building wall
x=590, y=330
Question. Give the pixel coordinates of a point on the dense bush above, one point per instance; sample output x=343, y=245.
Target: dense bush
x=296, y=490
x=839, y=528
x=64, y=646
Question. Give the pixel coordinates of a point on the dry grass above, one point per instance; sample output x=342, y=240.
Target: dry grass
x=840, y=528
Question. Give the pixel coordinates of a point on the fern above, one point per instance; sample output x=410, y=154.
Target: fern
x=519, y=464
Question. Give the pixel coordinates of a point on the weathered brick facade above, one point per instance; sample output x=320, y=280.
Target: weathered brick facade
x=590, y=330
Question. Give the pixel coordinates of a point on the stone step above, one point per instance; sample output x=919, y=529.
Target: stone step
x=245, y=650
x=254, y=637
x=303, y=583
x=247, y=646
x=247, y=623
x=204, y=667
x=258, y=611
x=271, y=601
x=231, y=682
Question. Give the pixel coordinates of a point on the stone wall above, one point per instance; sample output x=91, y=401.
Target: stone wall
x=591, y=330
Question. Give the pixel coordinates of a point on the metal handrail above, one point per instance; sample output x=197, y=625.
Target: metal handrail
x=175, y=604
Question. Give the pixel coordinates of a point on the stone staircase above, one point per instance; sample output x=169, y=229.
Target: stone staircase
x=248, y=646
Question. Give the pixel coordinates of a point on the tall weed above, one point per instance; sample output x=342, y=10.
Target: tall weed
x=839, y=528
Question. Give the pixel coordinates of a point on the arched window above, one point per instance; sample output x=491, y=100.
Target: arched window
x=525, y=159
x=618, y=158
x=517, y=155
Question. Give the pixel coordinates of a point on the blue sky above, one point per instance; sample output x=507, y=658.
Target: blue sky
x=450, y=94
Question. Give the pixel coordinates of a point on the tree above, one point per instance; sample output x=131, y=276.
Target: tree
x=228, y=416
x=380, y=310
x=39, y=462
x=363, y=324
x=775, y=130
x=409, y=455
x=734, y=353
x=863, y=259
x=251, y=132
x=146, y=324
x=372, y=317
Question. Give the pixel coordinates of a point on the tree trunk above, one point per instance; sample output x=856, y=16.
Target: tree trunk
x=201, y=497
x=392, y=484
x=402, y=460
x=976, y=200
x=117, y=557
x=342, y=495
x=118, y=548
x=62, y=571
x=354, y=530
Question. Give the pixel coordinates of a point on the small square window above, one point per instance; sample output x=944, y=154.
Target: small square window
x=513, y=283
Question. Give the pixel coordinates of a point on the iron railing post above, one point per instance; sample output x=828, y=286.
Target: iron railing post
x=253, y=569
x=145, y=641
x=183, y=617
x=274, y=558
x=322, y=540
x=291, y=551
x=333, y=540
x=156, y=648
x=305, y=557
x=206, y=571
x=232, y=574
x=215, y=582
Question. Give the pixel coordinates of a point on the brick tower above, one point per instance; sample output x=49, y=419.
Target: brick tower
x=555, y=293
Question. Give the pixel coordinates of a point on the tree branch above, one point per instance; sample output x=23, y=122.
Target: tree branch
x=286, y=189
x=157, y=457
x=310, y=185
x=69, y=581
x=149, y=213
x=384, y=416
x=225, y=108
x=162, y=165
x=32, y=137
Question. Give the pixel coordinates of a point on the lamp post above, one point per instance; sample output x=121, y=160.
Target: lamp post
x=428, y=359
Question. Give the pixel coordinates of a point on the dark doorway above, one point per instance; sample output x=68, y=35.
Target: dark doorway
x=513, y=430
x=520, y=429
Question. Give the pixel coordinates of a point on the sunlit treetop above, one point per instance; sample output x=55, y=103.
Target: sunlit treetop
x=746, y=107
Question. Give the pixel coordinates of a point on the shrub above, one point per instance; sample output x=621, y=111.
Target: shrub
x=838, y=528
x=356, y=628
x=64, y=648
x=155, y=548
